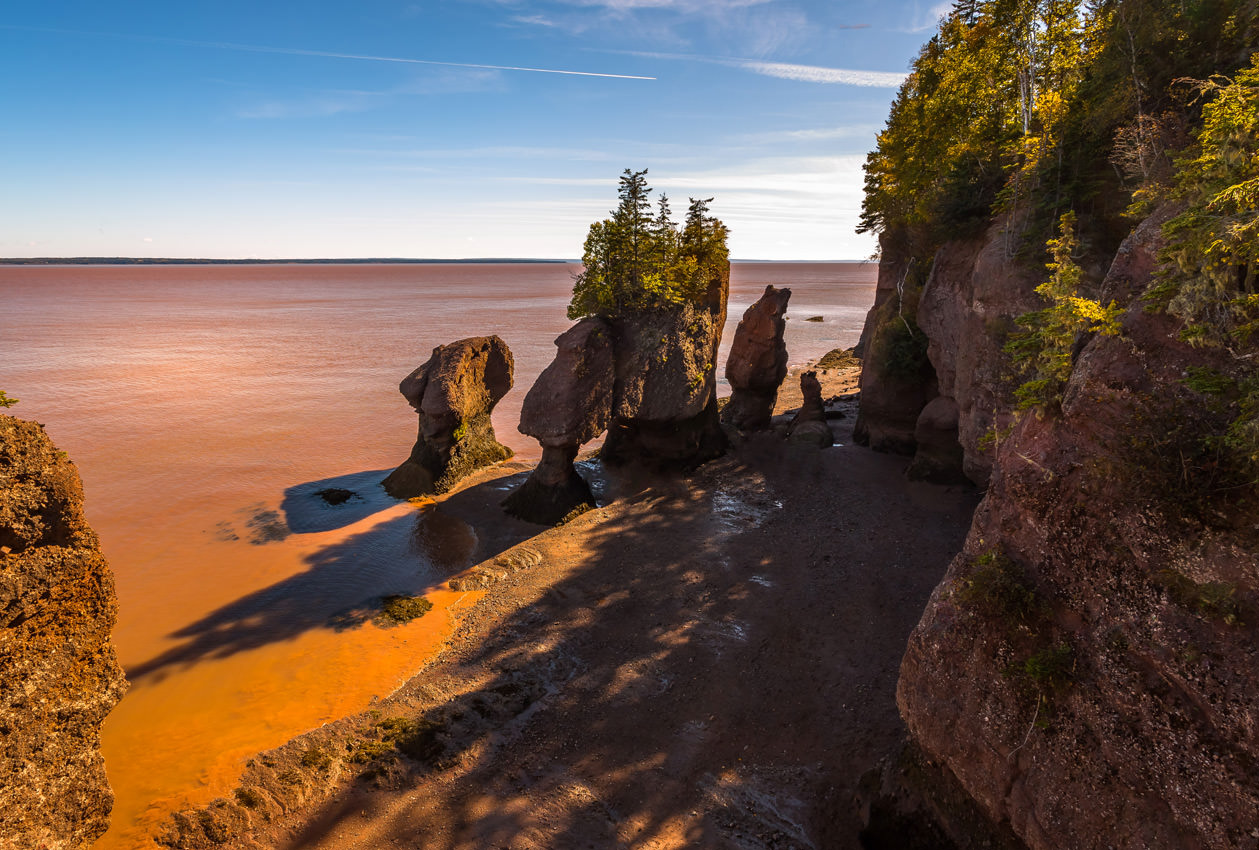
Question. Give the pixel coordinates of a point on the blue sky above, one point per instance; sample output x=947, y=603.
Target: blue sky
x=248, y=129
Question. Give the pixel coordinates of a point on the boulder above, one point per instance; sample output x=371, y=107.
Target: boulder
x=454, y=393
x=758, y=362
x=809, y=424
x=570, y=404
x=59, y=671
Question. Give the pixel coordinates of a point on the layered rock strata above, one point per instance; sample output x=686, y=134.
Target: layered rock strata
x=570, y=404
x=757, y=362
x=454, y=393
x=59, y=676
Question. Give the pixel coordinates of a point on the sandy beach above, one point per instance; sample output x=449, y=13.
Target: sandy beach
x=703, y=662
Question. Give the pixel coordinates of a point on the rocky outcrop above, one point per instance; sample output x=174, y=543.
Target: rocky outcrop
x=809, y=426
x=570, y=404
x=59, y=676
x=896, y=378
x=974, y=293
x=453, y=393
x=664, y=403
x=1087, y=668
x=757, y=362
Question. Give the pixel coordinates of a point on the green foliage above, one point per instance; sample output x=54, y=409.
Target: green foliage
x=396, y=610
x=1049, y=669
x=1044, y=347
x=5, y=401
x=316, y=759
x=902, y=348
x=1208, y=381
x=1214, y=600
x=1028, y=105
x=637, y=261
x=997, y=587
x=1212, y=253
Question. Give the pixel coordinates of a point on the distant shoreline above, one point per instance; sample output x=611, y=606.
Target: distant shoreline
x=352, y=261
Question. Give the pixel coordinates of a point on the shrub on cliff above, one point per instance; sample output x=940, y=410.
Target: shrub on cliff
x=636, y=261
x=1210, y=276
x=1044, y=346
x=5, y=401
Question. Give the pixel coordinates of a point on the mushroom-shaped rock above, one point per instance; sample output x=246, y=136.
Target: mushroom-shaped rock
x=454, y=393
x=568, y=405
x=758, y=362
x=809, y=424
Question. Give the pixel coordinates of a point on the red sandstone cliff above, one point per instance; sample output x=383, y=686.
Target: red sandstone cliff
x=1087, y=667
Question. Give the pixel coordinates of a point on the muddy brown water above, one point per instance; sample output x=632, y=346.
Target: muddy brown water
x=206, y=407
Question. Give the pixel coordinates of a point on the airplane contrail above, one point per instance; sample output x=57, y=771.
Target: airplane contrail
x=294, y=51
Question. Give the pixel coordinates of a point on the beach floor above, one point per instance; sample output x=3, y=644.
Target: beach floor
x=703, y=662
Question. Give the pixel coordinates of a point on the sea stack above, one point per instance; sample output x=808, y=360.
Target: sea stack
x=454, y=394
x=758, y=362
x=809, y=424
x=664, y=408
x=59, y=676
x=568, y=405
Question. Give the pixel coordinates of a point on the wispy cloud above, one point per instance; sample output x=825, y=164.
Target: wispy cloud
x=812, y=134
x=789, y=71
x=326, y=54
x=534, y=20
x=922, y=19
x=713, y=7
x=817, y=74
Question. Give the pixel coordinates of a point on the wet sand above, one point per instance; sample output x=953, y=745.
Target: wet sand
x=701, y=663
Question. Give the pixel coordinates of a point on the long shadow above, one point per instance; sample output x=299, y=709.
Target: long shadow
x=717, y=672
x=346, y=581
x=333, y=503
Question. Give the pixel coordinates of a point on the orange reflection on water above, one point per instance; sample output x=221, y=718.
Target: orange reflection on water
x=183, y=733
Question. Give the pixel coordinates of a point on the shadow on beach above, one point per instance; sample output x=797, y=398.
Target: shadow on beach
x=346, y=581
x=713, y=665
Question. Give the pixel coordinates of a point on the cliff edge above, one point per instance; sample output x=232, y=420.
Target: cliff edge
x=59, y=676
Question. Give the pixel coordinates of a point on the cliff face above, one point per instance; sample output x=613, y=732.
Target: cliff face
x=58, y=673
x=1087, y=667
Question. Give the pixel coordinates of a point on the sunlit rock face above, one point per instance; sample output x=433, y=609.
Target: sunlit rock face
x=664, y=403
x=59, y=676
x=454, y=393
x=758, y=362
x=570, y=404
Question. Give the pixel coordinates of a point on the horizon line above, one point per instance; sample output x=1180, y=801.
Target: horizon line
x=192, y=261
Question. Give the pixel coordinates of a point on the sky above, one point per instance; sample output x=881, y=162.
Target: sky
x=460, y=128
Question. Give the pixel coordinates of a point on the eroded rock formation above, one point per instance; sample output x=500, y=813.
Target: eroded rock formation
x=664, y=405
x=1087, y=668
x=809, y=424
x=757, y=362
x=570, y=404
x=59, y=676
x=896, y=378
x=453, y=393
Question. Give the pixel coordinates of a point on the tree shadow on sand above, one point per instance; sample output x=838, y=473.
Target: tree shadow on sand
x=716, y=670
x=346, y=581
